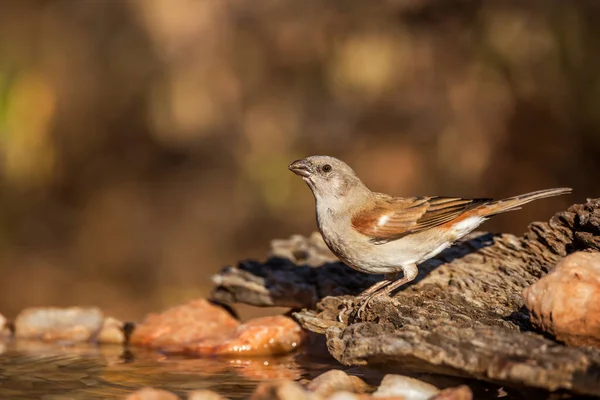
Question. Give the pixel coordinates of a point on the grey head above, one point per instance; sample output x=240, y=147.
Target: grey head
x=329, y=179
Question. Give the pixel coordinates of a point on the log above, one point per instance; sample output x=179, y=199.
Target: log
x=464, y=314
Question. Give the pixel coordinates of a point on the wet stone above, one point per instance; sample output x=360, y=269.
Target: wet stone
x=462, y=392
x=336, y=381
x=566, y=302
x=263, y=336
x=204, y=395
x=177, y=327
x=282, y=390
x=152, y=394
x=111, y=332
x=73, y=324
x=405, y=387
x=201, y=328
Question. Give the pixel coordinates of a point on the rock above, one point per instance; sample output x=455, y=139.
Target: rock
x=272, y=335
x=202, y=328
x=336, y=381
x=279, y=282
x=405, y=387
x=152, y=394
x=205, y=395
x=73, y=324
x=462, y=392
x=302, y=250
x=344, y=396
x=282, y=390
x=111, y=332
x=566, y=302
x=178, y=327
x=464, y=314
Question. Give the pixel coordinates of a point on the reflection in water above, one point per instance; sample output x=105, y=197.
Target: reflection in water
x=32, y=369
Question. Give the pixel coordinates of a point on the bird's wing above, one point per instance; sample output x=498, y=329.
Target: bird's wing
x=393, y=218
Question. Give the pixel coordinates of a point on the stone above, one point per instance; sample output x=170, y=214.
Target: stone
x=205, y=395
x=152, y=394
x=566, y=302
x=302, y=250
x=462, y=392
x=73, y=324
x=343, y=395
x=111, y=332
x=273, y=335
x=280, y=390
x=336, y=381
x=179, y=326
x=405, y=387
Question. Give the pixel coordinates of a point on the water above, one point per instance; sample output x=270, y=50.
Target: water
x=34, y=370
x=31, y=370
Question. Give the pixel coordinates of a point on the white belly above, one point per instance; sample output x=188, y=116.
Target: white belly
x=358, y=252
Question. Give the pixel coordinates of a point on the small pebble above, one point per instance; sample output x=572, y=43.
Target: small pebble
x=282, y=390
x=111, y=332
x=462, y=392
x=405, y=387
x=152, y=394
x=334, y=381
x=205, y=395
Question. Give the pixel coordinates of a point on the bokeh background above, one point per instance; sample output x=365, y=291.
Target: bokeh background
x=144, y=144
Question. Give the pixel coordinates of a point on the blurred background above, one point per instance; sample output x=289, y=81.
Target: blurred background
x=144, y=144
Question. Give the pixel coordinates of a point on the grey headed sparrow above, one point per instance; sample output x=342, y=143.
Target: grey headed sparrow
x=379, y=234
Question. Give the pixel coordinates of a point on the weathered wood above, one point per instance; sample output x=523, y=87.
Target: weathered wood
x=463, y=315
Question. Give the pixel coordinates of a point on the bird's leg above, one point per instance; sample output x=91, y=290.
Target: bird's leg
x=410, y=273
x=366, y=295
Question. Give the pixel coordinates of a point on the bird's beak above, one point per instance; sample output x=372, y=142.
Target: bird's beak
x=301, y=167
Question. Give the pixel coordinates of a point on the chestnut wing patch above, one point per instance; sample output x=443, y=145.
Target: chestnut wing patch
x=392, y=219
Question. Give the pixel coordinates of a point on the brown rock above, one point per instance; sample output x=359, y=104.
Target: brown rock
x=74, y=324
x=152, y=394
x=347, y=396
x=196, y=321
x=566, y=302
x=405, y=387
x=272, y=335
x=111, y=332
x=303, y=250
x=282, y=390
x=336, y=381
x=205, y=395
x=462, y=392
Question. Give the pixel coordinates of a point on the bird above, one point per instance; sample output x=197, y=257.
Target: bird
x=376, y=233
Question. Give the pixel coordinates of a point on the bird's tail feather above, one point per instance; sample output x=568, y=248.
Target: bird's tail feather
x=515, y=202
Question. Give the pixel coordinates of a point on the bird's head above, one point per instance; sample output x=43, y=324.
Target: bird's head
x=330, y=179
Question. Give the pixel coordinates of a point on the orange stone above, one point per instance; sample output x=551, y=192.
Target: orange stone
x=196, y=321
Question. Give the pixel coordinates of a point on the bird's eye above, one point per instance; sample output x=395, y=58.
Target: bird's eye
x=326, y=168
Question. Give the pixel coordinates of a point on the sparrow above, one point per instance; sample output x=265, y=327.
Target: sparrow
x=376, y=233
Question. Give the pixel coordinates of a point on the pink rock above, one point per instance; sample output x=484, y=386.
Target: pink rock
x=196, y=321
x=273, y=335
x=566, y=302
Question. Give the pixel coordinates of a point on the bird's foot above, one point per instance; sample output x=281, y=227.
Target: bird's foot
x=356, y=314
x=345, y=308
